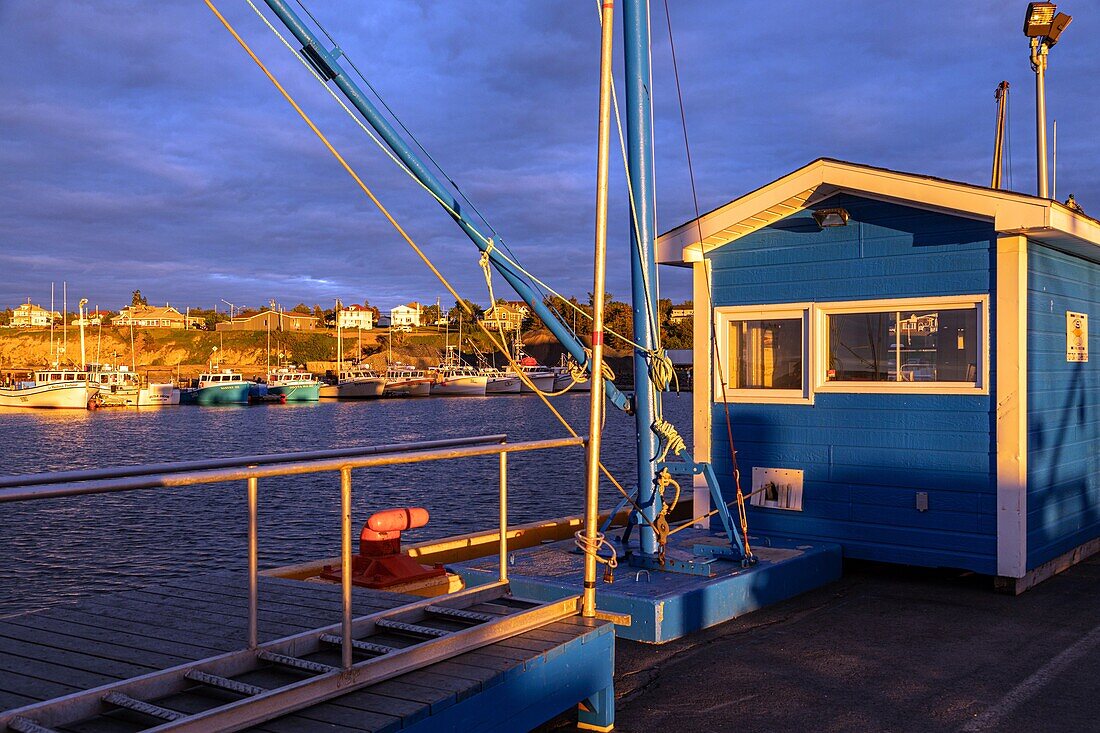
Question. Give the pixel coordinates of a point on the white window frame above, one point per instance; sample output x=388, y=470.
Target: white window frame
x=822, y=311
x=725, y=315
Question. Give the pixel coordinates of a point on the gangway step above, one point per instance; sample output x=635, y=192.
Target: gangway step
x=122, y=700
x=322, y=682
x=359, y=645
x=223, y=683
x=26, y=725
x=412, y=629
x=302, y=665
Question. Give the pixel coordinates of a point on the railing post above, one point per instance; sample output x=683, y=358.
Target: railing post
x=503, y=516
x=345, y=561
x=253, y=565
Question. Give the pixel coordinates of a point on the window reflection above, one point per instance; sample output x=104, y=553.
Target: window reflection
x=766, y=354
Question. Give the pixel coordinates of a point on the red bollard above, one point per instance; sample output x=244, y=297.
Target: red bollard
x=380, y=562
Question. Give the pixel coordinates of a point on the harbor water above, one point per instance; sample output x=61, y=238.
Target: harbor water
x=60, y=549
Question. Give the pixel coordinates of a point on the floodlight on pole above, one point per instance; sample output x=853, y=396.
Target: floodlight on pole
x=1043, y=24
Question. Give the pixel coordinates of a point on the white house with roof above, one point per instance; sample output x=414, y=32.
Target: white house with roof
x=29, y=315
x=405, y=315
x=154, y=316
x=355, y=317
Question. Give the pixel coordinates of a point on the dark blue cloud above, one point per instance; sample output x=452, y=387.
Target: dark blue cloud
x=142, y=149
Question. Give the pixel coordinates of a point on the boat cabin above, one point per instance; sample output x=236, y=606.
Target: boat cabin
x=905, y=362
x=224, y=377
x=48, y=376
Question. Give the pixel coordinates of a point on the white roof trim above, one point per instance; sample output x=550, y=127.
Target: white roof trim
x=1010, y=212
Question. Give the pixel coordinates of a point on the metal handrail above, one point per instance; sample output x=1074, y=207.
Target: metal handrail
x=252, y=468
x=91, y=474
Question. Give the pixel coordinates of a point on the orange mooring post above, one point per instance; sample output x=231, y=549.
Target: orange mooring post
x=380, y=562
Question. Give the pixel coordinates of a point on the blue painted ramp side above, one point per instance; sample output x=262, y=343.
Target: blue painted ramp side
x=664, y=606
x=532, y=693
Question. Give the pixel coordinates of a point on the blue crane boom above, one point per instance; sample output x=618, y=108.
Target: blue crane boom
x=325, y=62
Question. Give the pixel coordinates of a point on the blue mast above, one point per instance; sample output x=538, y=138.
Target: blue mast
x=639, y=141
x=324, y=61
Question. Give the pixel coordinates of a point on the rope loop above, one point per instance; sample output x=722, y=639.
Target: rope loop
x=667, y=432
x=593, y=547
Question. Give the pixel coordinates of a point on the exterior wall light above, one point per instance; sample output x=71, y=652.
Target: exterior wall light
x=831, y=217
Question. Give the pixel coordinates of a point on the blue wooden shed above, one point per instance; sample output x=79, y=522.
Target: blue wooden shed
x=905, y=361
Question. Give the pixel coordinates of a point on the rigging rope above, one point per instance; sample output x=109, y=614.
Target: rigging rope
x=539, y=284
x=404, y=235
x=741, y=511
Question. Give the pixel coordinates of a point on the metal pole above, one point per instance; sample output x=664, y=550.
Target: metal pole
x=595, y=412
x=639, y=137
x=345, y=561
x=328, y=66
x=503, y=517
x=1039, y=64
x=253, y=565
x=1001, y=95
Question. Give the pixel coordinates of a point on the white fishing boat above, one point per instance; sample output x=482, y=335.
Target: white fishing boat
x=457, y=380
x=563, y=376
x=500, y=381
x=120, y=387
x=52, y=388
x=403, y=380
x=536, y=374
x=354, y=382
x=454, y=378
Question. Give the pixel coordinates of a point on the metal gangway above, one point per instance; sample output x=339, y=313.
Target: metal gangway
x=364, y=662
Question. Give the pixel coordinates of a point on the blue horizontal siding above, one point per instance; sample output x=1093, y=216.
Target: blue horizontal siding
x=865, y=456
x=1063, y=476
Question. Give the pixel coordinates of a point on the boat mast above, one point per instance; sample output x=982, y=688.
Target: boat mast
x=83, y=354
x=595, y=408
x=639, y=140
x=999, y=140
x=324, y=61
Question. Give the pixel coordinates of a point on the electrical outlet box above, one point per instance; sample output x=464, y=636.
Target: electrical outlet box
x=777, y=488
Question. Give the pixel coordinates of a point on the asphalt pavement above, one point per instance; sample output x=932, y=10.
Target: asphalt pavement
x=886, y=648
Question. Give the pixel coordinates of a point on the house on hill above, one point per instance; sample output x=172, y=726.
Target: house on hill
x=154, y=316
x=29, y=315
x=505, y=316
x=355, y=317
x=270, y=320
x=405, y=315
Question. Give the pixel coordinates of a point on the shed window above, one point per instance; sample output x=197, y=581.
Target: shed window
x=766, y=354
x=763, y=354
x=914, y=345
x=928, y=345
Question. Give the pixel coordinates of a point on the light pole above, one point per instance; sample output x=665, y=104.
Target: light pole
x=1043, y=25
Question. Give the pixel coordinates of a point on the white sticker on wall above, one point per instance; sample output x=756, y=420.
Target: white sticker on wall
x=1077, y=336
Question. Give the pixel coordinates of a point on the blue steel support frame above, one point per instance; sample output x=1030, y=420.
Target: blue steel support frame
x=324, y=61
x=639, y=140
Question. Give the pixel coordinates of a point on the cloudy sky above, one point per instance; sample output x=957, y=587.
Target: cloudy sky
x=140, y=148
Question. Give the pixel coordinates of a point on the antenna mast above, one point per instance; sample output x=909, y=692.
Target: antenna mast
x=1001, y=95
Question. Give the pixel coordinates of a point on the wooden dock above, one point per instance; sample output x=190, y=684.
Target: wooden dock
x=514, y=684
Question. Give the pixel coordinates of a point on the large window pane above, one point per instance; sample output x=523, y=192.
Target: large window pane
x=766, y=354
x=861, y=347
x=939, y=345
x=916, y=345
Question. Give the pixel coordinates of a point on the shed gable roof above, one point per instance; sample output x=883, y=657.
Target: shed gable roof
x=1010, y=212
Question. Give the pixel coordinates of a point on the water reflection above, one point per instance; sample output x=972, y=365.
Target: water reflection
x=61, y=548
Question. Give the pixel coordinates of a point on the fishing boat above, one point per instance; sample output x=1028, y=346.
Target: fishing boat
x=354, y=382
x=499, y=381
x=453, y=378
x=52, y=388
x=564, y=379
x=120, y=387
x=225, y=387
x=403, y=380
x=541, y=377
x=293, y=384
